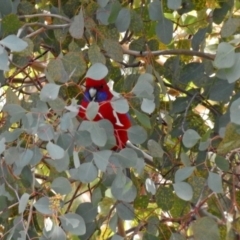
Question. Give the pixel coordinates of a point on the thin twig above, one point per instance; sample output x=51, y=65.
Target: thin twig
x=186, y=111
x=52, y=26
x=169, y=52
x=45, y=15
x=73, y=197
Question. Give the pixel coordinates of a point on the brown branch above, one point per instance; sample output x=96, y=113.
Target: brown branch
x=169, y=52
x=73, y=197
x=45, y=15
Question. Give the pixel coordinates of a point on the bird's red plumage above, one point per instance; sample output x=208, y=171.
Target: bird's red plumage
x=107, y=112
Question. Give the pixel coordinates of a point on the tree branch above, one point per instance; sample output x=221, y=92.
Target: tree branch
x=45, y=15
x=169, y=52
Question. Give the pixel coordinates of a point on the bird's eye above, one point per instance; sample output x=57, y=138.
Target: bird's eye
x=101, y=86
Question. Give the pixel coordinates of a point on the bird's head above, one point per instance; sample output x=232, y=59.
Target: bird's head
x=97, y=90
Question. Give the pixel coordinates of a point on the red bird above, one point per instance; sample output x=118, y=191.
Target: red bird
x=98, y=91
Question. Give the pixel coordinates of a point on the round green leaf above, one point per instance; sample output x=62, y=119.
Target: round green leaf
x=61, y=185
x=174, y=4
x=123, y=188
x=215, y=182
x=137, y=134
x=229, y=27
x=232, y=74
x=113, y=49
x=127, y=157
x=225, y=56
x=155, y=10
x=87, y=172
x=177, y=236
x=101, y=159
x=123, y=20
x=183, y=173
x=125, y=211
x=183, y=190
x=56, y=71
x=92, y=110
x=24, y=158
x=49, y=92
x=45, y=132
x=97, y=71
x=165, y=198
x=190, y=138
x=73, y=223
x=164, y=30
x=206, y=228
x=77, y=26
x=23, y=202
x=87, y=211
x=74, y=64
x=3, y=59
x=222, y=163
x=120, y=105
x=98, y=134
x=14, y=43
x=150, y=186
x=2, y=145
x=95, y=55
x=148, y=106
x=102, y=3
x=154, y=148
x=235, y=111
x=115, y=9
x=42, y=205
x=55, y=151
x=58, y=233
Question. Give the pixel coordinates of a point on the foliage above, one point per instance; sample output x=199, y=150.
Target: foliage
x=176, y=62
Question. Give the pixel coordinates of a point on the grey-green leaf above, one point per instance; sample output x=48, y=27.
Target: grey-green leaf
x=190, y=138
x=73, y=223
x=3, y=60
x=87, y=211
x=55, y=151
x=137, y=134
x=125, y=211
x=150, y=186
x=98, y=134
x=120, y=105
x=2, y=145
x=101, y=159
x=206, y=228
x=49, y=92
x=155, y=11
x=225, y=56
x=77, y=26
x=14, y=43
x=164, y=30
x=92, y=110
x=148, y=105
x=61, y=185
x=87, y=172
x=183, y=173
x=155, y=148
x=183, y=190
x=97, y=71
x=234, y=111
x=215, y=182
x=23, y=202
x=123, y=20
x=42, y=205
x=174, y=4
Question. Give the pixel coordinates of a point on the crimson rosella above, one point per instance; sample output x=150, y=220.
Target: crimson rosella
x=98, y=91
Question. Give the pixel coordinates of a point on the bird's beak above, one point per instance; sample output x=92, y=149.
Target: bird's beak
x=92, y=93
